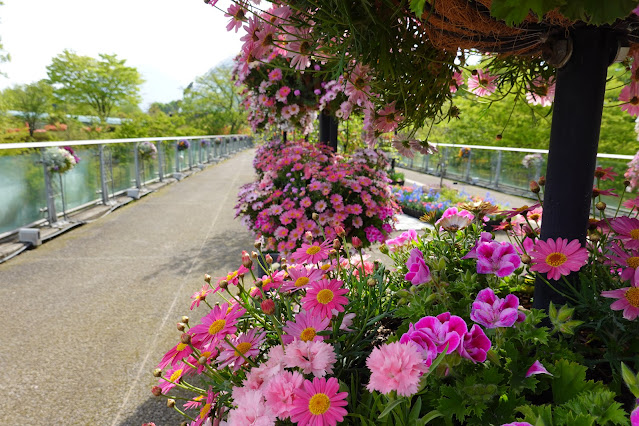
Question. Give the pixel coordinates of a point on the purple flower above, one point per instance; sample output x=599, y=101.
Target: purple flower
x=634, y=417
x=499, y=258
x=418, y=272
x=485, y=237
x=537, y=368
x=474, y=345
x=421, y=339
x=491, y=311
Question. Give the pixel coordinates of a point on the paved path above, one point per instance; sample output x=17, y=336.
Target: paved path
x=87, y=316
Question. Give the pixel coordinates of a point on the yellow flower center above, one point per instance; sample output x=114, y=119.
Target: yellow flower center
x=634, y=234
x=205, y=410
x=633, y=262
x=556, y=259
x=181, y=347
x=319, y=404
x=242, y=348
x=325, y=296
x=216, y=326
x=266, y=282
x=308, y=334
x=632, y=296
x=325, y=267
x=232, y=275
x=313, y=250
x=301, y=281
x=175, y=376
x=534, y=216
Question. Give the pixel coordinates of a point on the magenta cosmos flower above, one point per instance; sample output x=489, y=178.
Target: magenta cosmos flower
x=323, y=296
x=627, y=299
x=492, y=312
x=395, y=367
x=418, y=272
x=482, y=84
x=557, y=258
x=216, y=324
x=474, y=345
x=244, y=346
x=304, y=328
x=319, y=404
x=499, y=258
x=312, y=253
x=627, y=230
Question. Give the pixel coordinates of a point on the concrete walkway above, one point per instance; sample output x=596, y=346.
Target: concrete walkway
x=87, y=316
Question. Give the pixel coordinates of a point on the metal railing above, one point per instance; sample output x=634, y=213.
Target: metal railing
x=30, y=193
x=499, y=168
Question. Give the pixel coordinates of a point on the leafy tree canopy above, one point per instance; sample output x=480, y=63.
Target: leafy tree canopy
x=31, y=100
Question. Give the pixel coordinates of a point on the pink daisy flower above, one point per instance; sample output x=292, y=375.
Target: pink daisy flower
x=541, y=92
x=627, y=230
x=173, y=377
x=245, y=346
x=176, y=354
x=216, y=324
x=198, y=296
x=280, y=393
x=304, y=328
x=194, y=403
x=629, y=262
x=232, y=278
x=395, y=367
x=319, y=403
x=315, y=358
x=237, y=14
x=301, y=277
x=557, y=258
x=627, y=299
x=482, y=84
x=456, y=82
x=312, y=253
x=275, y=75
x=205, y=411
x=630, y=95
x=323, y=296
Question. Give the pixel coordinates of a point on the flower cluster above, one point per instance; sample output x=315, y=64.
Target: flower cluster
x=532, y=160
x=60, y=160
x=183, y=145
x=298, y=180
x=147, y=150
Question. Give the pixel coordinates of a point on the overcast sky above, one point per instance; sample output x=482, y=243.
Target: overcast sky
x=169, y=41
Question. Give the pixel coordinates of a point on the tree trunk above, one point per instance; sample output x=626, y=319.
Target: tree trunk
x=574, y=138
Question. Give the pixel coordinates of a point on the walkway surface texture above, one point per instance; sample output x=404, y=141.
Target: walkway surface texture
x=87, y=316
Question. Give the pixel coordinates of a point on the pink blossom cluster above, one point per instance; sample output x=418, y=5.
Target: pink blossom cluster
x=297, y=179
x=630, y=93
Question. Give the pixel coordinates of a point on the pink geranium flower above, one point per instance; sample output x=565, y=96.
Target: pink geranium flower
x=418, y=272
x=537, y=368
x=557, y=258
x=319, y=403
x=499, y=258
x=243, y=347
x=442, y=330
x=627, y=300
x=492, y=312
x=482, y=84
x=394, y=243
x=395, y=367
x=634, y=416
x=312, y=253
x=323, y=296
x=627, y=230
x=305, y=328
x=280, y=393
x=474, y=345
x=315, y=358
x=485, y=237
x=216, y=324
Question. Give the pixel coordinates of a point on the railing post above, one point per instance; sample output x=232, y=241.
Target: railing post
x=190, y=152
x=470, y=156
x=136, y=158
x=498, y=169
x=104, y=188
x=52, y=217
x=177, y=158
x=160, y=161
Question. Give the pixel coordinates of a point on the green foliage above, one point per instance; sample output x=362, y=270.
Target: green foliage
x=594, y=12
x=32, y=100
x=156, y=124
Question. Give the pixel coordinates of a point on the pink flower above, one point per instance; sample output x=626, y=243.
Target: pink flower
x=301, y=277
x=455, y=220
x=176, y=354
x=173, y=376
x=418, y=272
x=482, y=84
x=315, y=358
x=198, y=296
x=275, y=75
x=237, y=14
x=280, y=393
x=394, y=243
x=474, y=345
x=557, y=258
x=499, y=258
x=388, y=118
x=319, y=403
x=634, y=416
x=541, y=92
x=627, y=299
x=628, y=262
x=323, y=296
x=627, y=230
x=304, y=328
x=537, y=368
x=395, y=367
x=630, y=95
x=245, y=346
x=492, y=312
x=312, y=253
x=456, y=82
x=216, y=324
x=206, y=408
x=442, y=330
x=485, y=237
x=251, y=410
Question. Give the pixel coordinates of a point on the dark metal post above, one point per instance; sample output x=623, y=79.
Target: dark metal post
x=574, y=138
x=328, y=130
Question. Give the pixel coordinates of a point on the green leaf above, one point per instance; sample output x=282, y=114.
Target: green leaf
x=414, y=413
x=390, y=407
x=417, y=6
x=569, y=380
x=452, y=403
x=432, y=415
x=631, y=380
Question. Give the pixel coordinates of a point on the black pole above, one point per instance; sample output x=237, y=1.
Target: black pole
x=284, y=136
x=574, y=138
x=328, y=130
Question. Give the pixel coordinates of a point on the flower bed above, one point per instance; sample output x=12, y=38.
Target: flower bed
x=297, y=180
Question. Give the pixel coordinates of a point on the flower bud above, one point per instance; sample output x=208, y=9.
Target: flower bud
x=253, y=255
x=170, y=403
x=202, y=360
x=499, y=137
x=268, y=306
x=534, y=187
x=308, y=235
x=384, y=249
x=601, y=206
x=474, y=72
x=180, y=326
x=283, y=260
x=595, y=237
x=268, y=259
x=223, y=284
x=259, y=283
x=157, y=372
x=207, y=278
x=246, y=260
x=525, y=259
x=156, y=391
x=332, y=252
x=336, y=244
x=626, y=182
x=357, y=243
x=185, y=338
x=185, y=319
x=371, y=282
x=542, y=180
x=340, y=231
x=315, y=216
x=257, y=245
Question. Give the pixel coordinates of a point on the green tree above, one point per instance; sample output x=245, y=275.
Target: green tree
x=213, y=102
x=32, y=101
x=97, y=86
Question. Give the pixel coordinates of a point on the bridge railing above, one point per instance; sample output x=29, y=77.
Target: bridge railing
x=30, y=193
